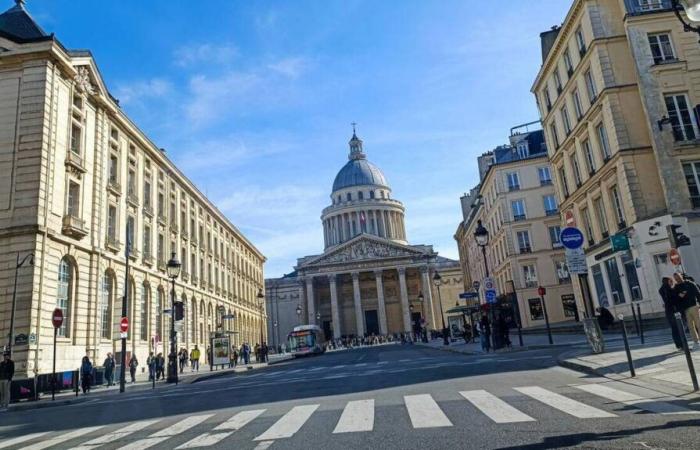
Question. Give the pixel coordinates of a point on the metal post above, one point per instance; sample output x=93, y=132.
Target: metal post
x=125, y=299
x=53, y=378
x=172, y=358
x=517, y=313
x=686, y=350
x=634, y=316
x=627, y=345
x=446, y=340
x=546, y=320
x=641, y=325
x=491, y=319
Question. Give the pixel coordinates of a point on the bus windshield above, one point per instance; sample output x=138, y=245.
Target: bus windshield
x=302, y=340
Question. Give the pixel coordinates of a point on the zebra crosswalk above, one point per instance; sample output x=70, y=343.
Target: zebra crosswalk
x=520, y=404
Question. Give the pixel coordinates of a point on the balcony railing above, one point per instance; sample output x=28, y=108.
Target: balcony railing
x=112, y=243
x=185, y=276
x=132, y=198
x=531, y=283
x=195, y=279
x=513, y=187
x=519, y=217
x=148, y=259
x=75, y=161
x=173, y=227
x=161, y=265
x=162, y=219
x=551, y=212
x=148, y=210
x=134, y=254
x=114, y=187
x=74, y=226
x=526, y=249
x=546, y=182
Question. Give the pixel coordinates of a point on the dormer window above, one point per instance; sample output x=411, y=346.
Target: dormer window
x=360, y=195
x=349, y=196
x=371, y=194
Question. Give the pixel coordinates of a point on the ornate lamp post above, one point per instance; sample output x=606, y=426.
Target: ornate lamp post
x=437, y=281
x=261, y=299
x=424, y=331
x=318, y=318
x=173, y=267
x=30, y=258
x=299, y=311
x=692, y=11
x=481, y=236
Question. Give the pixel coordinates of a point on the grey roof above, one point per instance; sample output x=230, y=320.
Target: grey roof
x=18, y=25
x=359, y=172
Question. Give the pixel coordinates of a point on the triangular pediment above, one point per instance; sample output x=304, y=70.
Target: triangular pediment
x=364, y=248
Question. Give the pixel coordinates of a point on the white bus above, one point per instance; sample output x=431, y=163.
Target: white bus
x=306, y=340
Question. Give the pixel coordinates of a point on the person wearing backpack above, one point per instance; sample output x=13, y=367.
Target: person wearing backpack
x=133, y=364
x=86, y=374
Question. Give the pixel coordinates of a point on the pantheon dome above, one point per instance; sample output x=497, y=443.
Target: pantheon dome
x=361, y=202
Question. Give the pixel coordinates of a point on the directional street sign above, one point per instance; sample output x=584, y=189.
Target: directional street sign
x=466, y=295
x=571, y=238
x=490, y=295
x=489, y=284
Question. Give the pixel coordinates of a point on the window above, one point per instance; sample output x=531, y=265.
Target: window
x=578, y=107
x=547, y=99
x=131, y=183
x=562, y=270
x=130, y=232
x=146, y=241
x=661, y=48
x=64, y=294
x=587, y=225
x=588, y=153
x=371, y=194
x=567, y=62
x=601, y=217
x=563, y=181
x=557, y=80
x=113, y=169
x=613, y=273
x=360, y=195
x=536, y=311
x=631, y=276
x=601, y=292
x=684, y=129
x=513, y=181
x=158, y=311
x=568, y=302
x=617, y=204
x=143, y=308
x=147, y=193
x=603, y=142
x=73, y=199
x=530, y=276
x=565, y=119
x=550, y=205
x=161, y=205
x=545, y=176
x=554, y=236
x=349, y=196
x=650, y=5
x=76, y=138
x=106, y=307
x=112, y=222
x=554, y=134
x=183, y=220
x=590, y=86
x=161, y=249
x=580, y=41
x=518, y=207
x=183, y=258
x=692, y=178
x=524, y=242
x=522, y=150
x=173, y=213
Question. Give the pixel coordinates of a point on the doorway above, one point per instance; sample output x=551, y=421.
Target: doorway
x=372, y=321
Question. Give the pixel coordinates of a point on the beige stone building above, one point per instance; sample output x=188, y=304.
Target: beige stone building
x=516, y=203
x=79, y=179
x=368, y=279
x=618, y=97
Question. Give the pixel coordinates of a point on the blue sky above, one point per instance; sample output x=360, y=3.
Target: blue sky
x=254, y=99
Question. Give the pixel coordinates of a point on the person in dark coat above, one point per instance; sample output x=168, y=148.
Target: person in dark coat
x=668, y=297
x=7, y=371
x=605, y=318
x=160, y=366
x=85, y=374
x=133, y=364
x=109, y=369
x=485, y=332
x=687, y=295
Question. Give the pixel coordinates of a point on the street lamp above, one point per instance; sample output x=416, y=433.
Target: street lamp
x=173, y=268
x=299, y=314
x=437, y=281
x=481, y=236
x=692, y=10
x=424, y=331
x=30, y=258
x=261, y=299
x=318, y=317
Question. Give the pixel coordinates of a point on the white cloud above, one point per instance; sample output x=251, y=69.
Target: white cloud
x=134, y=92
x=206, y=54
x=291, y=67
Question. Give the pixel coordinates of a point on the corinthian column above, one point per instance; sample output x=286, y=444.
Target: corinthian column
x=310, y=307
x=428, y=297
x=404, y=300
x=381, y=307
x=359, y=319
x=335, y=313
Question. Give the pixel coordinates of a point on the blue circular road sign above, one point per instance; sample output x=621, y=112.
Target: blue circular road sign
x=571, y=238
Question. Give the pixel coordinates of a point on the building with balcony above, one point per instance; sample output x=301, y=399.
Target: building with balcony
x=81, y=182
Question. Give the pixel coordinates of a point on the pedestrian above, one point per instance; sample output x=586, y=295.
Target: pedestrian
x=109, y=365
x=133, y=364
x=605, y=317
x=687, y=295
x=182, y=359
x=257, y=352
x=485, y=333
x=160, y=366
x=265, y=351
x=668, y=297
x=7, y=371
x=86, y=374
x=246, y=353
x=208, y=356
x=194, y=357
x=503, y=330
x=234, y=350
x=151, y=363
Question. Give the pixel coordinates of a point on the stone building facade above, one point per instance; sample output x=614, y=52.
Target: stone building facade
x=368, y=279
x=79, y=181
x=617, y=96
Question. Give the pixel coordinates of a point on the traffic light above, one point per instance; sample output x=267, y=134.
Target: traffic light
x=677, y=238
x=179, y=311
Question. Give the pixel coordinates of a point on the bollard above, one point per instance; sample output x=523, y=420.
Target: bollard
x=686, y=350
x=634, y=316
x=627, y=345
x=641, y=324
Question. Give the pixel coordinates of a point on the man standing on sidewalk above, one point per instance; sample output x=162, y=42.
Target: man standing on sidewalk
x=668, y=297
x=194, y=357
x=7, y=371
x=687, y=293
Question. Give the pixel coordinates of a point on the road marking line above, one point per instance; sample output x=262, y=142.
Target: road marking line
x=651, y=405
x=20, y=439
x=167, y=433
x=358, y=415
x=118, y=434
x=264, y=445
x=495, y=408
x=380, y=363
x=62, y=438
x=360, y=364
x=425, y=412
x=225, y=429
x=288, y=424
x=564, y=404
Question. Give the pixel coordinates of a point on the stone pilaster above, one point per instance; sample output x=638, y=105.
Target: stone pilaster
x=427, y=297
x=335, y=313
x=359, y=314
x=381, y=307
x=404, y=300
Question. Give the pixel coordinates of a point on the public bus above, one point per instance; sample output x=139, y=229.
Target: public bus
x=306, y=340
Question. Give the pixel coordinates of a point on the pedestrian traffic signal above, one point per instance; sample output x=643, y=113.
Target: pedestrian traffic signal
x=677, y=238
x=179, y=311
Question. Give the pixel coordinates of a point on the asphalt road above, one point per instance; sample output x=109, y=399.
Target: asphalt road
x=388, y=397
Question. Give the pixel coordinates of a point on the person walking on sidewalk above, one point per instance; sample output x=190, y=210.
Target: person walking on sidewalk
x=183, y=359
x=7, y=371
x=194, y=357
x=485, y=333
x=687, y=300
x=160, y=366
x=668, y=297
x=109, y=369
x=151, y=363
x=234, y=351
x=85, y=374
x=133, y=364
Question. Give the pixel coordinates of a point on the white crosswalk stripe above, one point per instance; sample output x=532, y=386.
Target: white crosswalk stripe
x=166, y=433
x=62, y=438
x=564, y=404
x=20, y=439
x=118, y=434
x=357, y=416
x=288, y=424
x=495, y=408
x=648, y=404
x=425, y=412
x=224, y=430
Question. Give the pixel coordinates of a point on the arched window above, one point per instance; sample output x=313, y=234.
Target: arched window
x=339, y=199
x=383, y=194
x=106, y=306
x=64, y=294
x=184, y=319
x=158, y=312
x=194, y=319
x=143, y=308
x=349, y=196
x=361, y=195
x=371, y=194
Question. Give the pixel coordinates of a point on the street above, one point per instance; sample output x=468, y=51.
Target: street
x=389, y=397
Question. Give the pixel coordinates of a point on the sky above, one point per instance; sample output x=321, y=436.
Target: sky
x=253, y=99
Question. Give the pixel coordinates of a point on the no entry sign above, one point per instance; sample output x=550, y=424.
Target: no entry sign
x=675, y=257
x=124, y=324
x=57, y=318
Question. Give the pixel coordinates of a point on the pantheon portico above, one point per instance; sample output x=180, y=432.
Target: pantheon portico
x=369, y=279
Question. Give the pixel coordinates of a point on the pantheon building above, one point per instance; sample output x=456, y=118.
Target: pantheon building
x=369, y=279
